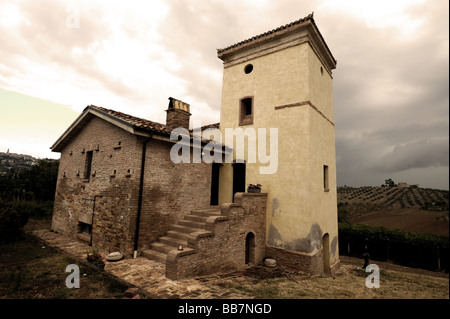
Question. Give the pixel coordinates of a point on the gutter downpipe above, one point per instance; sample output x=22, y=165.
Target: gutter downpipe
x=141, y=189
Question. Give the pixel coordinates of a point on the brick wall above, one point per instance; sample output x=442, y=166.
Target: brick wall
x=170, y=190
x=225, y=248
x=177, y=118
x=114, y=176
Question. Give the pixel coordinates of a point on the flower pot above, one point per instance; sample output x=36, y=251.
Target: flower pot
x=253, y=190
x=96, y=266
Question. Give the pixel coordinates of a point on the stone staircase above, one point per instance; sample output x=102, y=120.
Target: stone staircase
x=179, y=233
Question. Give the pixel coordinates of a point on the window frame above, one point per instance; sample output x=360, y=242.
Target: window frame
x=244, y=118
x=88, y=165
x=326, y=181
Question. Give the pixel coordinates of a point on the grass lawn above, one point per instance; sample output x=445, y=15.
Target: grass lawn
x=31, y=270
x=350, y=283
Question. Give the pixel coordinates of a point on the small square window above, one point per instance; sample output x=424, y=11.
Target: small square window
x=84, y=228
x=246, y=111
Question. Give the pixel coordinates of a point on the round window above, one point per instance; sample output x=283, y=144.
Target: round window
x=248, y=68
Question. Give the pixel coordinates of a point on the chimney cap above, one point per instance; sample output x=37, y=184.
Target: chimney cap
x=178, y=104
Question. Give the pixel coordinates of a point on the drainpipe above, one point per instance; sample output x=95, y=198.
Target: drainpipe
x=141, y=188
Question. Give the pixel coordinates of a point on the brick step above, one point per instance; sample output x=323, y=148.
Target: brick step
x=154, y=255
x=173, y=242
x=192, y=224
x=185, y=229
x=162, y=247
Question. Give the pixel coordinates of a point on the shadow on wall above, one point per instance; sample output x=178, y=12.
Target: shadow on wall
x=303, y=245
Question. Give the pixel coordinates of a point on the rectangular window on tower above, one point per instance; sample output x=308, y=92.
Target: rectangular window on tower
x=326, y=186
x=246, y=111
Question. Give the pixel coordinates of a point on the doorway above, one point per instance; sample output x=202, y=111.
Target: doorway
x=215, y=184
x=326, y=253
x=250, y=248
x=238, y=178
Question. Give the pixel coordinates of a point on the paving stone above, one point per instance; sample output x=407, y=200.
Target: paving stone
x=149, y=276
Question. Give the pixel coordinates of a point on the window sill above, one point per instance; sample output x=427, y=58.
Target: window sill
x=326, y=190
x=246, y=122
x=84, y=237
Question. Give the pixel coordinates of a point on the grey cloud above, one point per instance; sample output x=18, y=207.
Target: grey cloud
x=194, y=40
x=391, y=97
x=418, y=154
x=47, y=40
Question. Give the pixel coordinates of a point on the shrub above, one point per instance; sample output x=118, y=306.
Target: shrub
x=426, y=251
x=11, y=222
x=35, y=209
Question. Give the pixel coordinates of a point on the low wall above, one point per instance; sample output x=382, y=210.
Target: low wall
x=225, y=244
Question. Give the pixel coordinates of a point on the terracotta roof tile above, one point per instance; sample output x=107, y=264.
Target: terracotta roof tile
x=135, y=121
x=309, y=17
x=147, y=125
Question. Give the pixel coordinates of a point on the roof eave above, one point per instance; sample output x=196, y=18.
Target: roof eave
x=84, y=117
x=297, y=33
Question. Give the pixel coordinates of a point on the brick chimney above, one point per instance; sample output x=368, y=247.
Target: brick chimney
x=177, y=114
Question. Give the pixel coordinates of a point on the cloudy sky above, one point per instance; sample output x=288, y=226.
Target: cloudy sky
x=391, y=85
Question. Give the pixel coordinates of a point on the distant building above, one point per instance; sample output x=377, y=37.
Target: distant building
x=402, y=184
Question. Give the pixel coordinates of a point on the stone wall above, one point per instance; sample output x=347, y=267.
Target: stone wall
x=308, y=263
x=223, y=246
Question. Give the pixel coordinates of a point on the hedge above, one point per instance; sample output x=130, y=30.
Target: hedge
x=425, y=251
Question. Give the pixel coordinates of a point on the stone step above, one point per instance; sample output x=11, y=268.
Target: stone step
x=196, y=218
x=185, y=229
x=192, y=224
x=162, y=247
x=177, y=235
x=155, y=255
x=173, y=242
x=206, y=212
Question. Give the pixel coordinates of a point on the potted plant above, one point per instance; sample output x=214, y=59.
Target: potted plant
x=254, y=188
x=95, y=258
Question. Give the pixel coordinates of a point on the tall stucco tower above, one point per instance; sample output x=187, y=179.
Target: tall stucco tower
x=282, y=79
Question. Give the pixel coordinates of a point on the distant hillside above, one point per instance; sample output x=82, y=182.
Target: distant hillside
x=12, y=161
x=370, y=199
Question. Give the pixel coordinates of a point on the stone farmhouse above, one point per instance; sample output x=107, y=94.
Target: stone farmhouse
x=119, y=190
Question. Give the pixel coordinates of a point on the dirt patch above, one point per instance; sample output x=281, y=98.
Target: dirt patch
x=345, y=260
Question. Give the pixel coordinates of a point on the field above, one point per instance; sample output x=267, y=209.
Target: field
x=412, y=209
x=412, y=220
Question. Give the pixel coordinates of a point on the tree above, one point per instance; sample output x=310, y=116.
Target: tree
x=389, y=182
